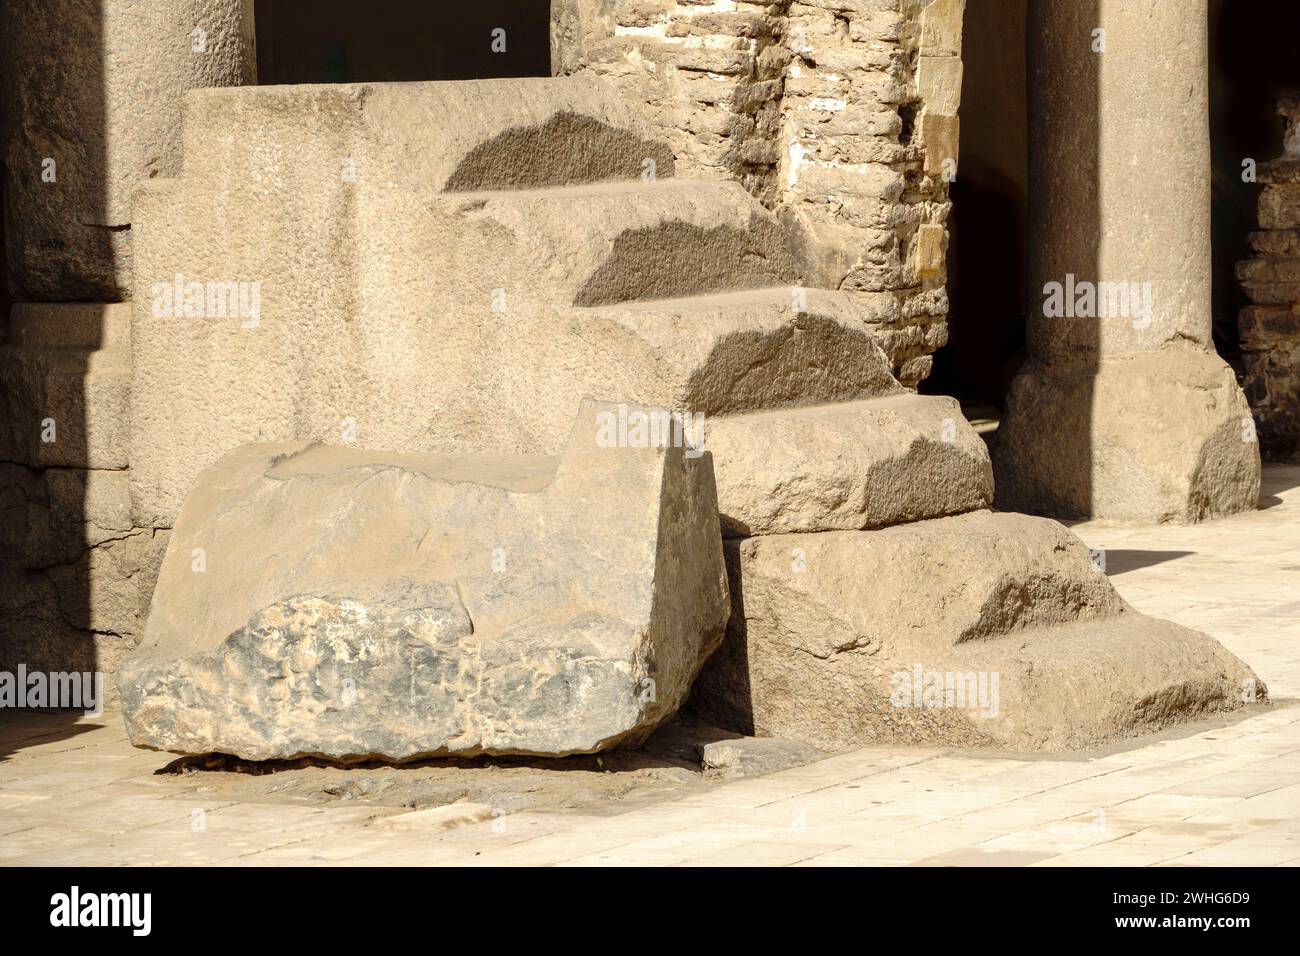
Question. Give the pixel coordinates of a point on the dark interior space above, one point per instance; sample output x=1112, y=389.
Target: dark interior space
x=1254, y=55
x=988, y=224
x=342, y=41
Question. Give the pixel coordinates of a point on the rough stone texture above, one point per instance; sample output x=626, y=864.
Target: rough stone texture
x=1128, y=415
x=840, y=116
x=849, y=465
x=65, y=382
x=731, y=353
x=754, y=756
x=96, y=86
x=76, y=574
x=356, y=604
x=1157, y=436
x=1270, y=327
x=710, y=73
x=675, y=293
x=827, y=627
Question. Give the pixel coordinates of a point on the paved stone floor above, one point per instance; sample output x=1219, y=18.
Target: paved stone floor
x=77, y=793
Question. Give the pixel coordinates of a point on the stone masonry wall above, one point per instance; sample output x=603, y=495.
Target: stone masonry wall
x=708, y=71
x=1270, y=325
x=76, y=575
x=839, y=114
x=91, y=98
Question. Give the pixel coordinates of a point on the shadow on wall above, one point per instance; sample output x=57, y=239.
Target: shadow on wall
x=341, y=41
x=47, y=114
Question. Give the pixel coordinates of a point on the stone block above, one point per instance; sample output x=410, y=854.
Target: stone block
x=850, y=465
x=983, y=630
x=929, y=251
x=938, y=84
x=940, y=136
x=1279, y=207
x=1116, y=452
x=352, y=604
x=941, y=27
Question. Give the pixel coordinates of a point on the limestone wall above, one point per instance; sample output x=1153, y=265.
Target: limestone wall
x=839, y=114
x=1270, y=325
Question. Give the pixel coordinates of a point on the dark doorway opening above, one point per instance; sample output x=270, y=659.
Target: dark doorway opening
x=379, y=41
x=988, y=223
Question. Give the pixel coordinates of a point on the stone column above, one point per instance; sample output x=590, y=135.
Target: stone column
x=1123, y=410
x=92, y=95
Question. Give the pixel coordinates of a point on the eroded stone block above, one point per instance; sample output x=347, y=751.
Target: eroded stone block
x=326, y=600
x=987, y=630
x=849, y=465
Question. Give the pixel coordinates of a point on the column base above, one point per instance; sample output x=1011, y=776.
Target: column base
x=1158, y=437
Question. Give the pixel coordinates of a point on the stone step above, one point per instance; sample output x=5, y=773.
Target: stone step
x=65, y=382
x=357, y=342
x=1069, y=687
x=615, y=242
x=924, y=587
x=828, y=630
x=445, y=136
x=848, y=466
x=725, y=354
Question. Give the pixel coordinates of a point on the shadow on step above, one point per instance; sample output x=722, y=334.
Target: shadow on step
x=1122, y=560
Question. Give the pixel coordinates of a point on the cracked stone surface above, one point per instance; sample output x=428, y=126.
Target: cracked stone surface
x=350, y=604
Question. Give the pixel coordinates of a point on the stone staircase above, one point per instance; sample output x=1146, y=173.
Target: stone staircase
x=456, y=266
x=981, y=629
x=430, y=317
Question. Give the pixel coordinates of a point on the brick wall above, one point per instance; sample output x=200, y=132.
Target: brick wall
x=839, y=114
x=1270, y=325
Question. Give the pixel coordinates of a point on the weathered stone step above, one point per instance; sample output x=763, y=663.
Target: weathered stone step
x=829, y=630
x=357, y=604
x=1067, y=687
x=615, y=242
x=506, y=381
x=731, y=353
x=928, y=585
x=446, y=136
x=848, y=466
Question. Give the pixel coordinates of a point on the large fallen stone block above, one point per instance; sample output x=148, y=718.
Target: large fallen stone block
x=848, y=465
x=1112, y=456
x=353, y=604
x=983, y=629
